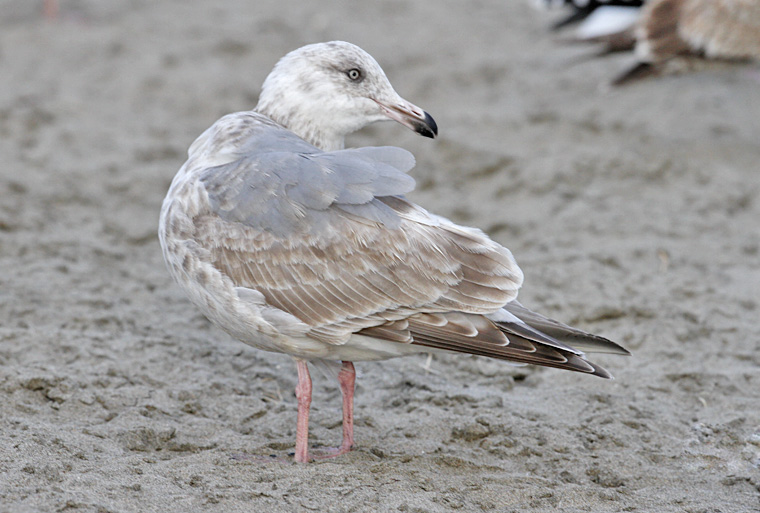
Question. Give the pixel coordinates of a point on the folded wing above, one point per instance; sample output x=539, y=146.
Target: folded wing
x=329, y=238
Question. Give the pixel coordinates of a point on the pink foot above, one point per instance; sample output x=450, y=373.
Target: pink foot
x=325, y=453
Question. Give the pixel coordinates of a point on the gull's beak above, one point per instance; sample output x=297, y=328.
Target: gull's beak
x=410, y=116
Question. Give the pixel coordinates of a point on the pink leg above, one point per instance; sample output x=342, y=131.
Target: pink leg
x=347, y=379
x=303, y=394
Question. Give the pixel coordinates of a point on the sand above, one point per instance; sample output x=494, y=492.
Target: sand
x=633, y=212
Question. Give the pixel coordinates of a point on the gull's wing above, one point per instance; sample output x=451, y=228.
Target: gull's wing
x=292, y=194
x=326, y=237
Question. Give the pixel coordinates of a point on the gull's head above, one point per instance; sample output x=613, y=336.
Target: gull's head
x=324, y=91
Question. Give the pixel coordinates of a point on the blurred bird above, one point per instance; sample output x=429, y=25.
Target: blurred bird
x=677, y=35
x=292, y=244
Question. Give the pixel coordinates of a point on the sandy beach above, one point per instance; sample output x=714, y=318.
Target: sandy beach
x=634, y=213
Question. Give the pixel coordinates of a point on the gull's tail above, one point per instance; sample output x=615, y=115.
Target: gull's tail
x=573, y=337
x=514, y=333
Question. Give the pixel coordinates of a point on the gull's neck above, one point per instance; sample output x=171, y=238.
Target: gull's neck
x=306, y=129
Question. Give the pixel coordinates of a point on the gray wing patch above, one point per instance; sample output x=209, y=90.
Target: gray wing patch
x=285, y=191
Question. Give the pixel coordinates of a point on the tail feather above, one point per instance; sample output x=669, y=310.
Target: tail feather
x=513, y=333
x=573, y=337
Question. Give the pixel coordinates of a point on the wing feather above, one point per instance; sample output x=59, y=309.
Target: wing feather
x=326, y=236
x=329, y=239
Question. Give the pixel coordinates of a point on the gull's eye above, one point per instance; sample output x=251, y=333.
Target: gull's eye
x=354, y=74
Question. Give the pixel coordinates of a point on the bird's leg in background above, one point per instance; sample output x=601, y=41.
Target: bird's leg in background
x=303, y=394
x=50, y=9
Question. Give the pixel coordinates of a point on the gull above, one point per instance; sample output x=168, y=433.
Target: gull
x=292, y=244
x=673, y=35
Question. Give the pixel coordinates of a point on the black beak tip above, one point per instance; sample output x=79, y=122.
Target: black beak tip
x=427, y=128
